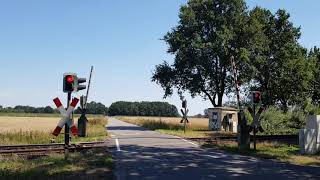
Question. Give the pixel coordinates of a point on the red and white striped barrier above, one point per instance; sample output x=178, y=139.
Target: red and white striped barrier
x=65, y=117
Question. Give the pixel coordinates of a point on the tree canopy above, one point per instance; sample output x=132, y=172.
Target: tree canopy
x=278, y=64
x=208, y=34
x=265, y=46
x=94, y=108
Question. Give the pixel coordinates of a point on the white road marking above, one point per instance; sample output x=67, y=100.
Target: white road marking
x=190, y=142
x=197, y=145
x=129, y=134
x=118, y=145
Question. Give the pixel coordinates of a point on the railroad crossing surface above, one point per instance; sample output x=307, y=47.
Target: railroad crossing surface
x=143, y=154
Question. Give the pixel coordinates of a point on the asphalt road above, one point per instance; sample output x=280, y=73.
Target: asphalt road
x=143, y=154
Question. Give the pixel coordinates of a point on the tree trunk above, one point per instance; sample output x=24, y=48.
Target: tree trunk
x=220, y=96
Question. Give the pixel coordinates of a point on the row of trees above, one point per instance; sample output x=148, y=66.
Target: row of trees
x=92, y=108
x=265, y=46
x=27, y=109
x=117, y=108
x=143, y=109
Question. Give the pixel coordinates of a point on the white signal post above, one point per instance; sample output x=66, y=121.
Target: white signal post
x=65, y=117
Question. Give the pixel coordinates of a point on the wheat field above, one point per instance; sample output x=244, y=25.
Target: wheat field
x=45, y=124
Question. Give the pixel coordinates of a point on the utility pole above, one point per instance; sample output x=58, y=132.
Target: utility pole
x=66, y=132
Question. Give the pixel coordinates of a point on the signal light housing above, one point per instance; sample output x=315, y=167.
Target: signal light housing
x=256, y=97
x=184, y=104
x=71, y=83
x=79, y=86
x=68, y=82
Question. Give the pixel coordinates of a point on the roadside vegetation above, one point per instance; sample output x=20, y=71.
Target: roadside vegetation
x=281, y=152
x=197, y=127
x=91, y=164
x=95, y=132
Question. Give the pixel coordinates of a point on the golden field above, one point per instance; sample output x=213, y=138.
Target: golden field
x=43, y=124
x=37, y=130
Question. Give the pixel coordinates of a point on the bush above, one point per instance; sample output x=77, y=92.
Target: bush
x=275, y=121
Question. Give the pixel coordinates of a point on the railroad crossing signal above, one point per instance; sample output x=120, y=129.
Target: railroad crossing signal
x=79, y=86
x=256, y=97
x=256, y=124
x=184, y=112
x=184, y=116
x=68, y=82
x=65, y=117
x=82, y=121
x=184, y=104
x=71, y=83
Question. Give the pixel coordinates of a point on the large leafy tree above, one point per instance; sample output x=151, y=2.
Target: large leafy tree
x=208, y=34
x=278, y=65
x=314, y=57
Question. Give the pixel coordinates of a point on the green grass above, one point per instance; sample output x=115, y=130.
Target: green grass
x=92, y=164
x=95, y=132
x=281, y=152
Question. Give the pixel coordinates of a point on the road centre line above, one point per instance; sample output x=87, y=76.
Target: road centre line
x=117, y=144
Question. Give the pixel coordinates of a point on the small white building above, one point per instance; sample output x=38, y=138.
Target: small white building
x=223, y=119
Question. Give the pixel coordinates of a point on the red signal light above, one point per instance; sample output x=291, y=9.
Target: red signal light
x=70, y=79
x=256, y=98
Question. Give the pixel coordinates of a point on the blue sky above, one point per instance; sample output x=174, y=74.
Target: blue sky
x=42, y=39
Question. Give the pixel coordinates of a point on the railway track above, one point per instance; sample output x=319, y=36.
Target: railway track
x=288, y=139
x=47, y=148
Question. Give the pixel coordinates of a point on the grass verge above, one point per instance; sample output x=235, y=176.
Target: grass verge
x=281, y=152
x=95, y=132
x=91, y=164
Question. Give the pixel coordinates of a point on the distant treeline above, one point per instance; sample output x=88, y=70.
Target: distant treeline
x=117, y=108
x=92, y=108
x=143, y=109
x=28, y=109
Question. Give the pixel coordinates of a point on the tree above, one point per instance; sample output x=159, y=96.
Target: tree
x=208, y=34
x=48, y=109
x=94, y=108
x=314, y=57
x=278, y=65
x=142, y=109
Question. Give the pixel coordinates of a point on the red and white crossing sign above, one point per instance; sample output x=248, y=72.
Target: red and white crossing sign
x=65, y=116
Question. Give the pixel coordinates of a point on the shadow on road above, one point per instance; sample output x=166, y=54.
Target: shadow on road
x=138, y=162
x=126, y=128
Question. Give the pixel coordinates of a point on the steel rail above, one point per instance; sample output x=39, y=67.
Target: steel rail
x=45, y=148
